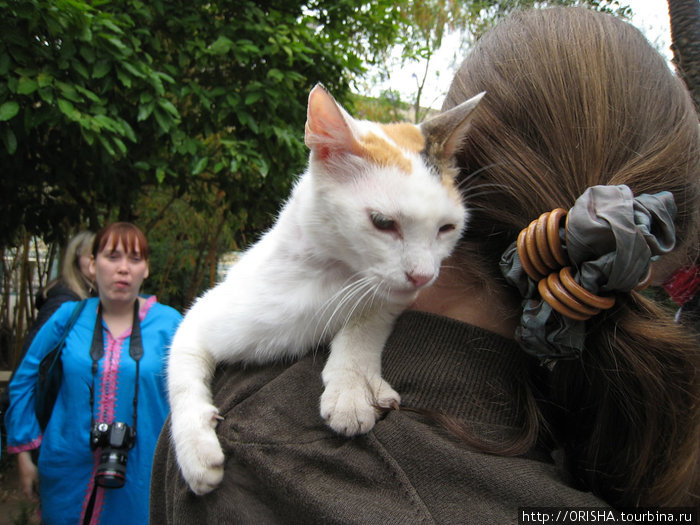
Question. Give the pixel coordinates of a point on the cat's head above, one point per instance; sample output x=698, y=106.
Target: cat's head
x=385, y=202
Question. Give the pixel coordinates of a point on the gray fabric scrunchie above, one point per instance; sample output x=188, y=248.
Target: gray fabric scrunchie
x=611, y=239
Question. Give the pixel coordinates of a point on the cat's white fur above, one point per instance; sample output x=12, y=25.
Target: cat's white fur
x=325, y=273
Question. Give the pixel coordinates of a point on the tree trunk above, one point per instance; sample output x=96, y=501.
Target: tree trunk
x=685, y=43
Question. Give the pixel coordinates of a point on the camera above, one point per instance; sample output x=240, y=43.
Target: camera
x=115, y=440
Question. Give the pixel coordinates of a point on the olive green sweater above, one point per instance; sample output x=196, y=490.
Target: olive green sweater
x=284, y=465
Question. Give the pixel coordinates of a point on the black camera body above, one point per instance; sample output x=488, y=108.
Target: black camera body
x=115, y=440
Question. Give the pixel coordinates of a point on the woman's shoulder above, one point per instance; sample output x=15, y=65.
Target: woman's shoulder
x=153, y=310
x=60, y=289
x=271, y=420
x=65, y=311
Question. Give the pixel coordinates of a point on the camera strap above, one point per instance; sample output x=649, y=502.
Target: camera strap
x=97, y=350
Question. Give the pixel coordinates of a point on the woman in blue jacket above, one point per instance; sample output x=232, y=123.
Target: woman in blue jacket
x=96, y=450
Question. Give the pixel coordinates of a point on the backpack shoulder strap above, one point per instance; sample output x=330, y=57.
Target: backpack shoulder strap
x=73, y=318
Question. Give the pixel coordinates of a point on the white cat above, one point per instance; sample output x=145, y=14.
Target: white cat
x=367, y=226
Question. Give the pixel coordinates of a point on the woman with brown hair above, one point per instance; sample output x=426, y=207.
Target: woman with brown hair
x=578, y=99
x=95, y=454
x=562, y=386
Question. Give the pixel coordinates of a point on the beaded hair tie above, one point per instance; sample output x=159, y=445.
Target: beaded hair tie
x=569, y=266
x=544, y=260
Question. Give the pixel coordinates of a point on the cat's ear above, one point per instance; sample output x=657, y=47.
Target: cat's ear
x=445, y=132
x=328, y=126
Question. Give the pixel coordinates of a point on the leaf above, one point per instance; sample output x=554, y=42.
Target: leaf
x=8, y=110
x=112, y=26
x=86, y=36
x=106, y=145
x=127, y=130
x=80, y=68
x=247, y=120
x=221, y=46
x=88, y=53
x=68, y=109
x=4, y=63
x=164, y=122
x=145, y=111
x=108, y=123
x=69, y=92
x=44, y=79
x=275, y=75
x=46, y=95
x=200, y=166
x=88, y=135
x=101, y=68
x=89, y=94
x=166, y=77
x=10, y=140
x=117, y=43
x=157, y=83
x=26, y=86
x=169, y=107
x=133, y=70
x=120, y=144
x=124, y=78
x=252, y=98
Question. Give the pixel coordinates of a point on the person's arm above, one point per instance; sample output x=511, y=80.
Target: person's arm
x=28, y=475
x=23, y=431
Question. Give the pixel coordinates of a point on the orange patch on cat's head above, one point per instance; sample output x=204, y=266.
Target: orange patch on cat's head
x=448, y=179
x=405, y=137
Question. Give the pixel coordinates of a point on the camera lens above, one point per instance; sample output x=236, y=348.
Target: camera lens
x=111, y=472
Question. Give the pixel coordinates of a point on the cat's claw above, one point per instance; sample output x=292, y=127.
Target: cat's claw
x=385, y=396
x=352, y=410
x=199, y=455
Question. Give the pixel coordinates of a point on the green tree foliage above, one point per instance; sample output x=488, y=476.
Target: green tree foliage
x=111, y=108
x=429, y=21
x=73, y=81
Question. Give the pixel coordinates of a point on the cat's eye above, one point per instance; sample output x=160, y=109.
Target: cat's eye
x=382, y=222
x=447, y=228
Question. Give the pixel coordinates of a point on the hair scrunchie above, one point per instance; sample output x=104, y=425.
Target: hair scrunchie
x=610, y=238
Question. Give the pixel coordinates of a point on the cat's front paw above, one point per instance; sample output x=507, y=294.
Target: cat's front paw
x=197, y=449
x=351, y=407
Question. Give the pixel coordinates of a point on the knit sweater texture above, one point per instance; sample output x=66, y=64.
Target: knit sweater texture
x=284, y=465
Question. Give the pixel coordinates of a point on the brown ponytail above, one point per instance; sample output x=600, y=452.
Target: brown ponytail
x=630, y=416
x=577, y=98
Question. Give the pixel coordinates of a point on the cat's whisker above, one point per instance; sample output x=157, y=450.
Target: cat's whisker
x=476, y=173
x=340, y=299
x=469, y=191
x=297, y=288
x=349, y=283
x=360, y=301
x=482, y=192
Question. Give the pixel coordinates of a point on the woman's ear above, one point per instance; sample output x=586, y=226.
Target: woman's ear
x=91, y=268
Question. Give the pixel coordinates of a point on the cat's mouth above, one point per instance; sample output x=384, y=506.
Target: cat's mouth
x=403, y=294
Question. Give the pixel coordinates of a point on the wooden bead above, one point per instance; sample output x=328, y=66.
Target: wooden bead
x=539, y=248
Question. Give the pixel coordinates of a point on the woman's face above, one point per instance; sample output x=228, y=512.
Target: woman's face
x=119, y=274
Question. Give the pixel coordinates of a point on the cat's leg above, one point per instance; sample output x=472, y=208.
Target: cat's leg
x=352, y=378
x=193, y=416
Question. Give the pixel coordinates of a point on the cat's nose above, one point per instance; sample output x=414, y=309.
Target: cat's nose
x=418, y=279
